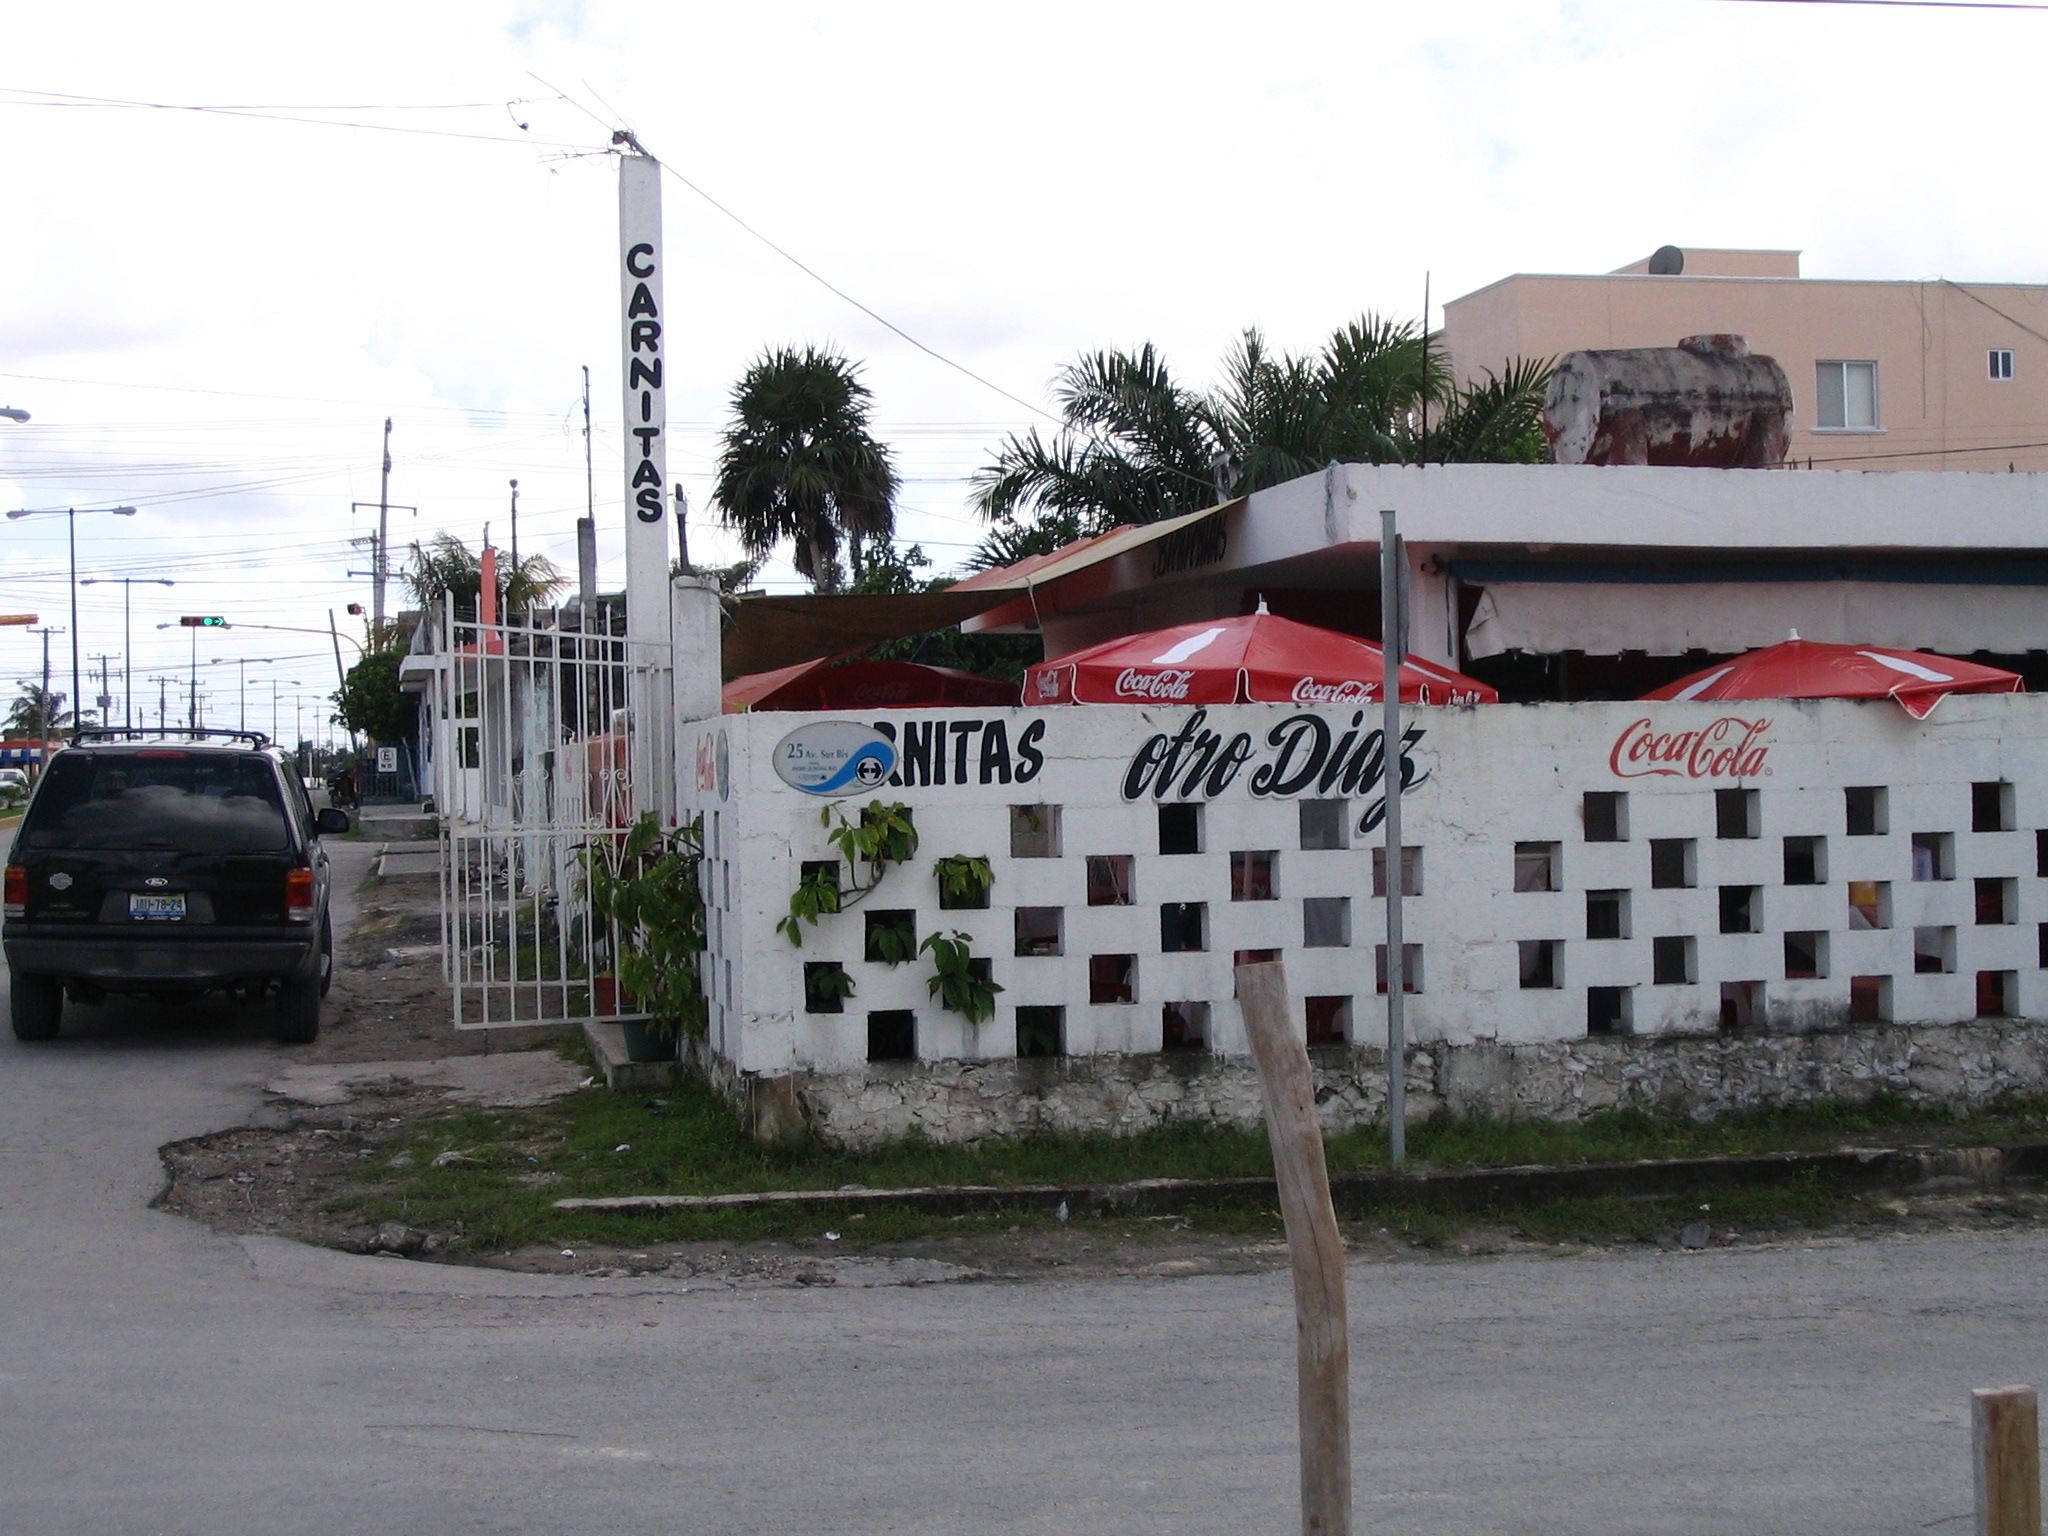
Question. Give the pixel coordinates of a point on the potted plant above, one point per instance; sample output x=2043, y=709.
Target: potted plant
x=644, y=888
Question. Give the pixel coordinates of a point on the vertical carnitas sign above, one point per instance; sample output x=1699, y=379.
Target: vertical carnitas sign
x=642, y=324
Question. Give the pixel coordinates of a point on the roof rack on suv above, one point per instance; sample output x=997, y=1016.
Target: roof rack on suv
x=138, y=732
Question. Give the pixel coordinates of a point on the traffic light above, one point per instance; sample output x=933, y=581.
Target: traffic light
x=208, y=621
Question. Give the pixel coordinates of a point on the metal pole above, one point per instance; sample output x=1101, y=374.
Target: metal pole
x=192, y=685
x=77, y=687
x=43, y=704
x=1392, y=638
x=127, y=655
x=241, y=693
x=383, y=560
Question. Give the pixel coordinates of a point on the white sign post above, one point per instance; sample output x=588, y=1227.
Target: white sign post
x=642, y=325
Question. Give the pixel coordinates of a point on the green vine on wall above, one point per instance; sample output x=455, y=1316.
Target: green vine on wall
x=881, y=837
x=961, y=983
x=964, y=880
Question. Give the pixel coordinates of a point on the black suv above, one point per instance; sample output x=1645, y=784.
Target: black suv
x=170, y=865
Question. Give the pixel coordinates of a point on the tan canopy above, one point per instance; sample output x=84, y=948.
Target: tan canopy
x=763, y=633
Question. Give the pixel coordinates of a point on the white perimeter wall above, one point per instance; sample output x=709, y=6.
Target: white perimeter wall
x=1496, y=776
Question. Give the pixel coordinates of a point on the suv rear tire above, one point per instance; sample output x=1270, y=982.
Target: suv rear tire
x=36, y=1004
x=326, y=955
x=298, y=1012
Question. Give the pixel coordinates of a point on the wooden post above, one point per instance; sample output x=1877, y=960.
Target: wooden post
x=1322, y=1337
x=2005, y=1446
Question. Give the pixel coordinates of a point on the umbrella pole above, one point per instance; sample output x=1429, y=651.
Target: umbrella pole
x=1393, y=635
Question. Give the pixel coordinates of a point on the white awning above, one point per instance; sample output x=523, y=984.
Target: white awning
x=1669, y=619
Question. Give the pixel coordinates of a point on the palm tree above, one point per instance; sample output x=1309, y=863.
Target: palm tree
x=33, y=709
x=1134, y=446
x=446, y=565
x=798, y=462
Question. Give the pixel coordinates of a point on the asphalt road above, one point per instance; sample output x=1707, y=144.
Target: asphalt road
x=158, y=1378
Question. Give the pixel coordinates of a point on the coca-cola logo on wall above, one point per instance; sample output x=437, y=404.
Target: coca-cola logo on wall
x=1168, y=685
x=1730, y=748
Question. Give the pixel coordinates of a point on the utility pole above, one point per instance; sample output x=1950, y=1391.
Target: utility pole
x=586, y=526
x=682, y=527
x=383, y=560
x=44, y=701
x=105, y=701
x=162, y=707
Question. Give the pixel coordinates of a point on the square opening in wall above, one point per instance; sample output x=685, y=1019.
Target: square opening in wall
x=1998, y=994
x=826, y=986
x=892, y=1035
x=1110, y=879
x=1180, y=828
x=964, y=883
x=891, y=936
x=1248, y=957
x=1607, y=914
x=1997, y=901
x=1041, y=1032
x=1806, y=955
x=1806, y=861
x=1934, y=951
x=1411, y=871
x=822, y=876
x=1034, y=831
x=1536, y=867
x=1329, y=1020
x=1672, y=961
x=1738, y=813
x=1325, y=824
x=1870, y=904
x=1184, y=1026
x=1934, y=856
x=1112, y=978
x=1741, y=909
x=1991, y=807
x=1870, y=999
x=1325, y=922
x=2041, y=855
x=1183, y=926
x=1869, y=810
x=1742, y=1005
x=1252, y=875
x=1040, y=930
x=1606, y=816
x=1411, y=968
x=1672, y=863
x=2041, y=945
x=1608, y=1010
x=1540, y=963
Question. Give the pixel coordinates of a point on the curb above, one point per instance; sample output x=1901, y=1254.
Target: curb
x=1357, y=1194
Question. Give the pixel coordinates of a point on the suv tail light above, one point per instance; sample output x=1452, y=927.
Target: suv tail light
x=298, y=895
x=17, y=891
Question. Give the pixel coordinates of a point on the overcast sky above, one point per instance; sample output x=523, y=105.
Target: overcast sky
x=210, y=315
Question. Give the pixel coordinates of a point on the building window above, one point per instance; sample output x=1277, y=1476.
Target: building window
x=1326, y=922
x=1034, y=831
x=1251, y=875
x=1329, y=1020
x=1847, y=396
x=1109, y=879
x=1180, y=828
x=1181, y=925
x=1536, y=867
x=1039, y=930
x=2001, y=363
x=1325, y=824
x=1411, y=871
x=1112, y=978
x=1183, y=1026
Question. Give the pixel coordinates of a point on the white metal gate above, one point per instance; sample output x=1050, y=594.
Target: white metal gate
x=532, y=747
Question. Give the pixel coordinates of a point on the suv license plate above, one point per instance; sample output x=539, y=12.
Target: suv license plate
x=156, y=908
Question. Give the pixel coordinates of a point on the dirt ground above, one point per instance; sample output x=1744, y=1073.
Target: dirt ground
x=388, y=1004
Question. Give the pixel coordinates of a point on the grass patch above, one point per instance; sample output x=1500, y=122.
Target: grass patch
x=689, y=1142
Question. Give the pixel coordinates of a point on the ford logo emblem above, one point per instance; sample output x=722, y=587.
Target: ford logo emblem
x=156, y=880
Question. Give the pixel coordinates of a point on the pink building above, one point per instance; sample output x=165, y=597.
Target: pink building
x=1885, y=375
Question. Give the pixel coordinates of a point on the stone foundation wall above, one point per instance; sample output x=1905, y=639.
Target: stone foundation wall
x=1960, y=1065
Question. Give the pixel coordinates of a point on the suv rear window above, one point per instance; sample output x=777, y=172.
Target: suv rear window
x=198, y=802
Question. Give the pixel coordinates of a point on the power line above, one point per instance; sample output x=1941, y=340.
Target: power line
x=1927, y=5
x=60, y=99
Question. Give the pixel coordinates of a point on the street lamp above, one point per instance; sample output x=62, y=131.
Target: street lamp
x=12, y=413
x=242, y=664
x=275, y=685
x=70, y=516
x=195, y=624
x=128, y=638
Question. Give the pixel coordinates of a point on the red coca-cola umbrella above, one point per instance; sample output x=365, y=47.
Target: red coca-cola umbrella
x=1256, y=658
x=820, y=684
x=1808, y=669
